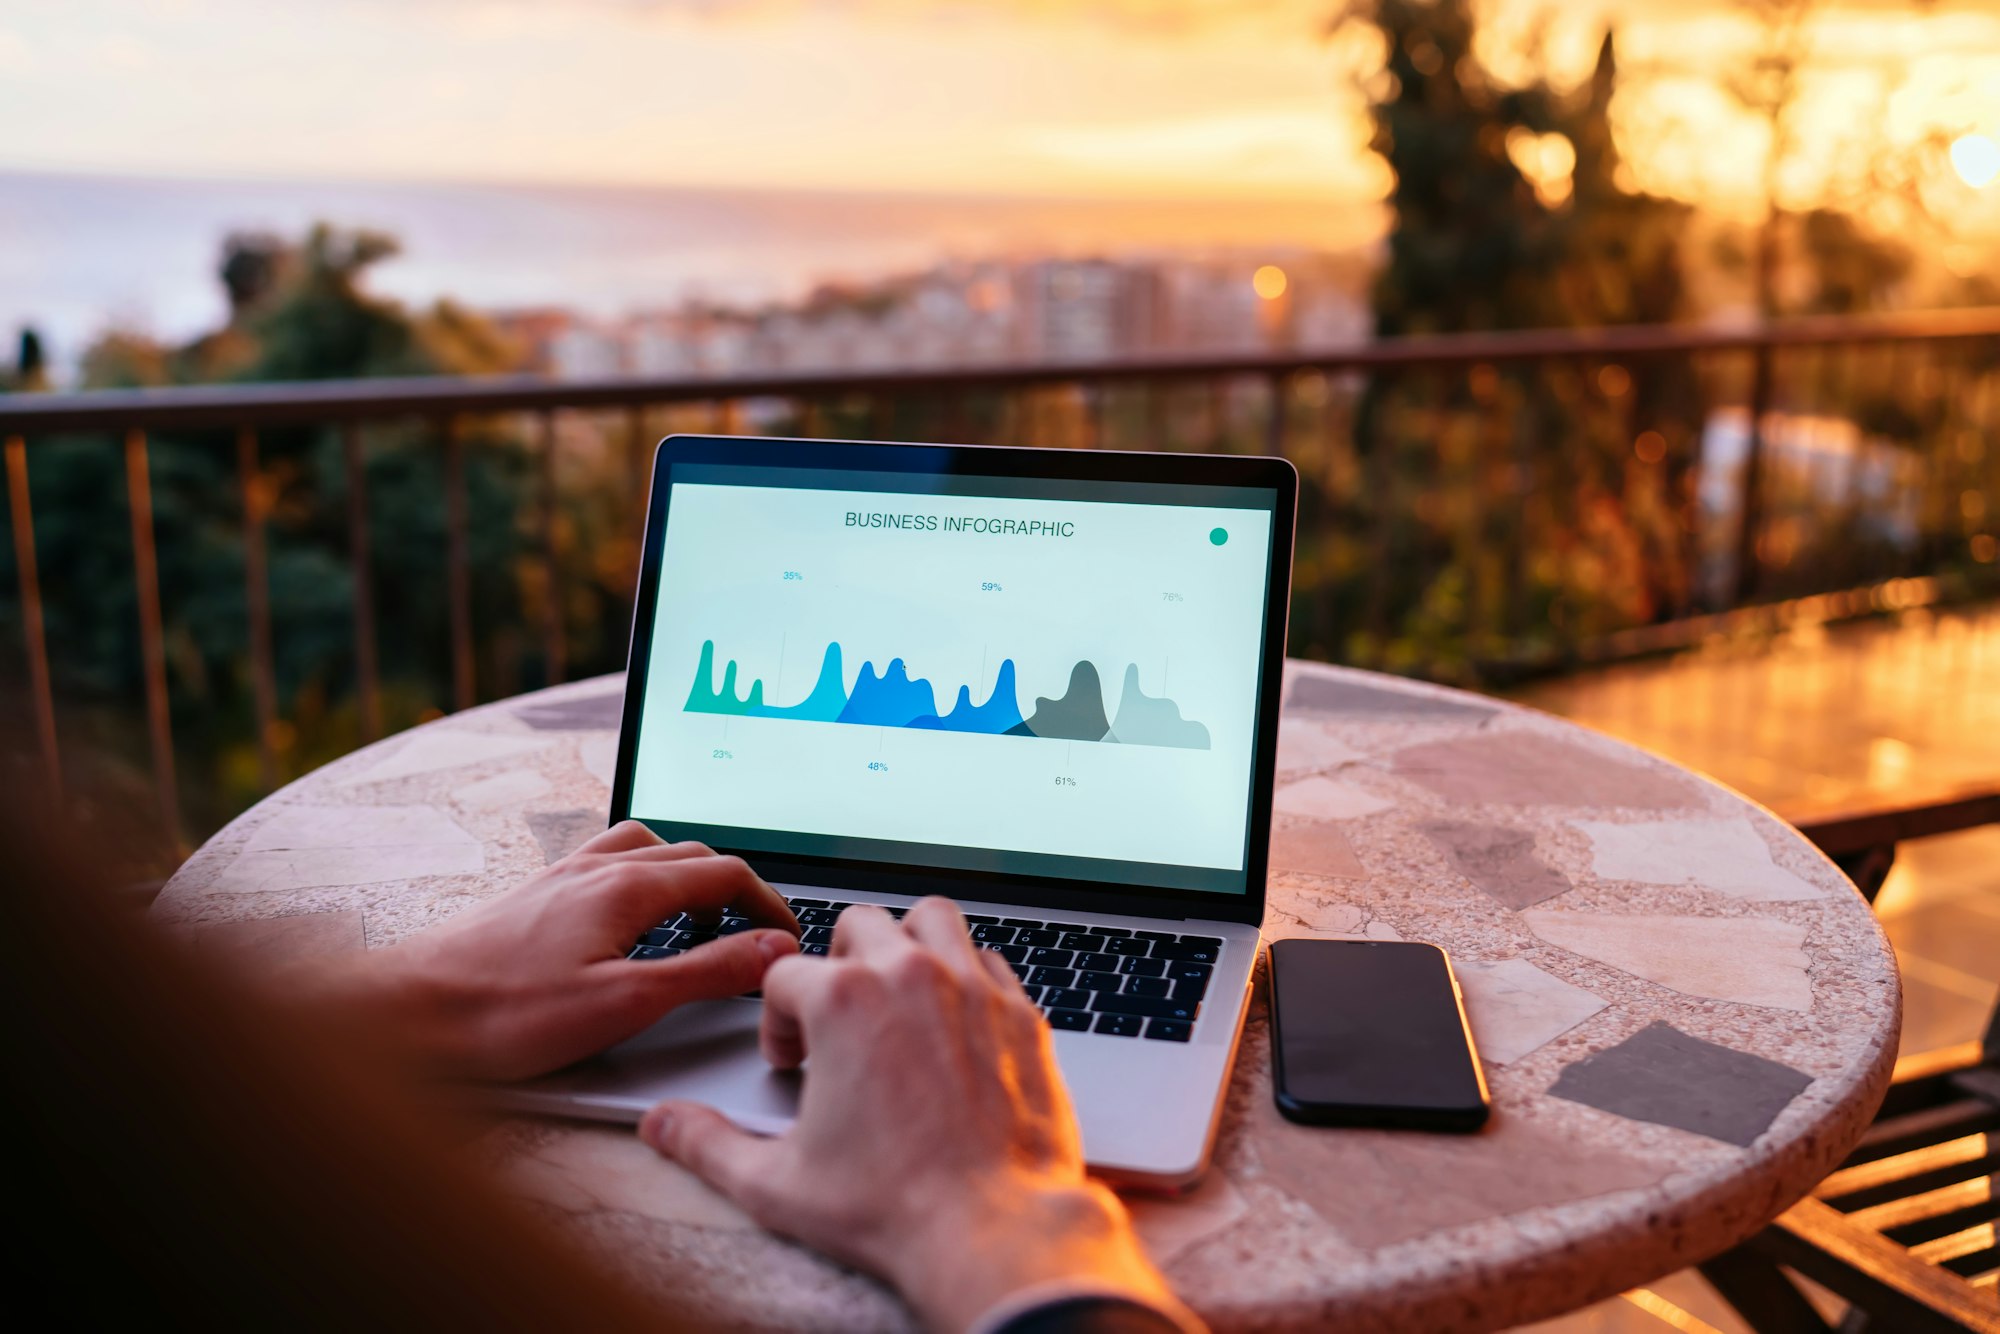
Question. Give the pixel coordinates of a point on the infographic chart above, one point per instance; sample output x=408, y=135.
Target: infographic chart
x=892, y=699
x=1058, y=677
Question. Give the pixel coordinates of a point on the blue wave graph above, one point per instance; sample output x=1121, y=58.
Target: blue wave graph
x=892, y=698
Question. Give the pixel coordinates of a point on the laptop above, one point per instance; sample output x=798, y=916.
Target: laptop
x=1042, y=682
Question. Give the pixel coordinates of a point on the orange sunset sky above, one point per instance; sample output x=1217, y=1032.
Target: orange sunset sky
x=1187, y=98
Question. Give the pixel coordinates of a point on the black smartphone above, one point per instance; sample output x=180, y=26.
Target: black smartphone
x=1372, y=1033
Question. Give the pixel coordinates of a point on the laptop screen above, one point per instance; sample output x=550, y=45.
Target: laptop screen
x=1018, y=675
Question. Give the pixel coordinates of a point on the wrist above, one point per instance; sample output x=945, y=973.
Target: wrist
x=970, y=1260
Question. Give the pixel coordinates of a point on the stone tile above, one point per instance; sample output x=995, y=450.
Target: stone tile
x=1327, y=799
x=305, y=846
x=1516, y=1008
x=1309, y=915
x=432, y=749
x=1671, y=1078
x=562, y=832
x=1499, y=860
x=1529, y=769
x=592, y=1169
x=1727, y=856
x=585, y=713
x=1320, y=694
x=1315, y=849
x=599, y=755
x=1171, y=1226
x=1379, y=1187
x=281, y=940
x=508, y=791
x=1749, y=960
x=1307, y=745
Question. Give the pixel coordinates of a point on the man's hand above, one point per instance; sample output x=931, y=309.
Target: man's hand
x=537, y=978
x=935, y=1145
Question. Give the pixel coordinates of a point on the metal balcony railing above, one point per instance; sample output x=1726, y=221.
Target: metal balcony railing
x=936, y=404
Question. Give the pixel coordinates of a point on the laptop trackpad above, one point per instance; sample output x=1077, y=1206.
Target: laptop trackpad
x=705, y=1052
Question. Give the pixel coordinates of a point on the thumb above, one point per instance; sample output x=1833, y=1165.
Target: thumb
x=725, y=967
x=727, y=1158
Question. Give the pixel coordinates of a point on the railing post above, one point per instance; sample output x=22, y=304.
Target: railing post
x=257, y=598
x=458, y=565
x=1750, y=500
x=552, y=610
x=30, y=580
x=152, y=633
x=366, y=682
x=1274, y=430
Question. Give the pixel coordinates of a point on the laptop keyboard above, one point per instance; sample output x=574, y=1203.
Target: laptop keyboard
x=1084, y=978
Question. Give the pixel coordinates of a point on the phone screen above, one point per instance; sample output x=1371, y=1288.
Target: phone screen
x=1371, y=1032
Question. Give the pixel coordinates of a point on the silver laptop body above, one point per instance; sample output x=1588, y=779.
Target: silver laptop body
x=1146, y=1054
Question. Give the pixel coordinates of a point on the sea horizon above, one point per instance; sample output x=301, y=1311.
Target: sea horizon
x=82, y=254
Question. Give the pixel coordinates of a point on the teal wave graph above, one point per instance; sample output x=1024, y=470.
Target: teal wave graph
x=892, y=698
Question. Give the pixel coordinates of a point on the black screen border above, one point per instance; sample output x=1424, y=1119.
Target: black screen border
x=1229, y=472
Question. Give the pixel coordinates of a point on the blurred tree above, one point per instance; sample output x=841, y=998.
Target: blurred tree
x=296, y=311
x=1489, y=493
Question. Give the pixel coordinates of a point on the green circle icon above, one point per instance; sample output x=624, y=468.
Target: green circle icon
x=1218, y=535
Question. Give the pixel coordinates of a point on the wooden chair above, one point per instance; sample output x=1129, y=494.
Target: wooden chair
x=1904, y=1231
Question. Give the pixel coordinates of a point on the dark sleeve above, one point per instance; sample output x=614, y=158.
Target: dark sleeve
x=1090, y=1315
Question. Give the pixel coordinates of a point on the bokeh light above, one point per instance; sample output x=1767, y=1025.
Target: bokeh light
x=1269, y=282
x=1976, y=159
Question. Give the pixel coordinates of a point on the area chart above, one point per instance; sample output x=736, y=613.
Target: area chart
x=892, y=698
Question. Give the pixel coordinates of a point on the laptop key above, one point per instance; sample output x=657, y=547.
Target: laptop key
x=1127, y=945
x=1212, y=942
x=1034, y=992
x=690, y=939
x=1096, y=963
x=1097, y=981
x=1150, y=986
x=1076, y=1021
x=1051, y=958
x=806, y=903
x=647, y=952
x=1021, y=970
x=1043, y=937
x=1111, y=930
x=1119, y=1025
x=1022, y=922
x=1153, y=1007
x=1067, y=998
x=659, y=936
x=1078, y=940
x=1142, y=967
x=977, y=919
x=995, y=935
x=1053, y=977
x=818, y=947
x=1189, y=972
x=1011, y=953
x=1156, y=935
x=818, y=917
x=735, y=925
x=816, y=935
x=1186, y=950
x=1189, y=988
x=1169, y=1030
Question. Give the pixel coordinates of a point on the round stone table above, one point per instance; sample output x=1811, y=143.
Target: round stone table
x=1687, y=1015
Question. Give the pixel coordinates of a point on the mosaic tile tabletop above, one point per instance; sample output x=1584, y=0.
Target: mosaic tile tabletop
x=1687, y=1015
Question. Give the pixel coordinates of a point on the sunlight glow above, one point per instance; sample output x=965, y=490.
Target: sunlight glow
x=1976, y=159
x=1269, y=282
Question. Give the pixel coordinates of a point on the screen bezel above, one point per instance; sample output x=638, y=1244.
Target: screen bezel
x=1228, y=471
